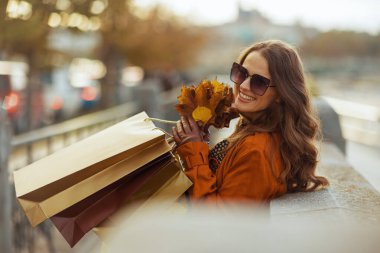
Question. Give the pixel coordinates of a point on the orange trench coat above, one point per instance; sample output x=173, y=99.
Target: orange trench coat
x=249, y=172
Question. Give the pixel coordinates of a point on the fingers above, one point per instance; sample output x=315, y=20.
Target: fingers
x=176, y=137
x=202, y=126
x=187, y=130
x=179, y=129
x=187, y=127
x=194, y=125
x=204, y=130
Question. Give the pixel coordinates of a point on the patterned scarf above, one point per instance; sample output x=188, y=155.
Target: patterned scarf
x=217, y=154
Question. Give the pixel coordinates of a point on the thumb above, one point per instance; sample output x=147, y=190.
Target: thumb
x=200, y=123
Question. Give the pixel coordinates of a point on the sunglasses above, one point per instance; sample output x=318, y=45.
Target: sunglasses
x=258, y=84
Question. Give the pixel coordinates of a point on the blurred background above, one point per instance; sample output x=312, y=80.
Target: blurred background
x=61, y=60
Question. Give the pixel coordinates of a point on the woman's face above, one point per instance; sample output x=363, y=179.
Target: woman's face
x=245, y=100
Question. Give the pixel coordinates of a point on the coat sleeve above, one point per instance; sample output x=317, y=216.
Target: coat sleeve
x=248, y=176
x=195, y=157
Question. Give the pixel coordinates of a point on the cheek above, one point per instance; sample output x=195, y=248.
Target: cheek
x=236, y=90
x=267, y=99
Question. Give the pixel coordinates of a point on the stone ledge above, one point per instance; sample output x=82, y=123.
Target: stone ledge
x=349, y=196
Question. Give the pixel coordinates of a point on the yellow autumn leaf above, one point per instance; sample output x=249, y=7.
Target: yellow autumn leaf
x=202, y=113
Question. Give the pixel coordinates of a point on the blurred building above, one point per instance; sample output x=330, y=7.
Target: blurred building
x=227, y=40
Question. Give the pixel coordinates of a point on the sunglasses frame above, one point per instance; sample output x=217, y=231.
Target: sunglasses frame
x=267, y=81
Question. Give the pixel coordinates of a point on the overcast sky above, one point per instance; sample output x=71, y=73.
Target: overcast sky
x=359, y=15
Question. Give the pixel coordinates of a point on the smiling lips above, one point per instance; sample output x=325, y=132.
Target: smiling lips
x=246, y=97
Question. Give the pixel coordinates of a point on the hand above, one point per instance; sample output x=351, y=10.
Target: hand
x=187, y=130
x=204, y=131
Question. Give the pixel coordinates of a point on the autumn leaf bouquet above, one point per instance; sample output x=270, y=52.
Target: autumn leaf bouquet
x=209, y=102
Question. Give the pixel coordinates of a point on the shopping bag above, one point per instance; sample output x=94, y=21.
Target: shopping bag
x=70, y=175
x=74, y=222
x=161, y=195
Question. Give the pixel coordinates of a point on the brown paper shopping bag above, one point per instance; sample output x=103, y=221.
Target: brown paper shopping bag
x=74, y=222
x=159, y=194
x=70, y=175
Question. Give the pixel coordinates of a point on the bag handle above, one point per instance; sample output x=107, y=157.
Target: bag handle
x=170, y=140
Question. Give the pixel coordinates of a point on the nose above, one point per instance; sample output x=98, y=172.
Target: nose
x=245, y=85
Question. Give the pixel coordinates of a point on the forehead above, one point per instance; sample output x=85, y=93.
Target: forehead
x=255, y=63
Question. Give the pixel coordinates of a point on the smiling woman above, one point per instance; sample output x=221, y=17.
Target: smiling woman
x=272, y=150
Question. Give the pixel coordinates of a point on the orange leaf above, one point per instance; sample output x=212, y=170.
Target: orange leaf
x=209, y=102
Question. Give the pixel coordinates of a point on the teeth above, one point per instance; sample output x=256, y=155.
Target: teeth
x=246, y=97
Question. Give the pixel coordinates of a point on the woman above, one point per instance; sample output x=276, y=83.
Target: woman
x=272, y=150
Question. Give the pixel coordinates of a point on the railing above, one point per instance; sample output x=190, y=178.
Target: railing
x=6, y=198
x=360, y=123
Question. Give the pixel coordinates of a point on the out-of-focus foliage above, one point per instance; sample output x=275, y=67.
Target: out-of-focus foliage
x=156, y=41
x=153, y=39
x=26, y=37
x=335, y=44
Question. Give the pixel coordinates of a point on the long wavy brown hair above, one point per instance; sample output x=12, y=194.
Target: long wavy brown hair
x=292, y=116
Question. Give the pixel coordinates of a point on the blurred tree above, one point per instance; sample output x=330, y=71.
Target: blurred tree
x=337, y=44
x=156, y=40
x=152, y=39
x=26, y=36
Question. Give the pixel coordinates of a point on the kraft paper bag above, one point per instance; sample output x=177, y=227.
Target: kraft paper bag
x=74, y=222
x=70, y=175
x=159, y=195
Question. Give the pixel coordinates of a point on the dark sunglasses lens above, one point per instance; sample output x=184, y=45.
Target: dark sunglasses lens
x=237, y=74
x=259, y=84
